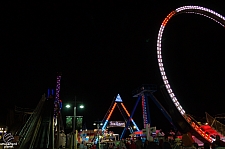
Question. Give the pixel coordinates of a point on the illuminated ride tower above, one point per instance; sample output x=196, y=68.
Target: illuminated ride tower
x=142, y=93
x=126, y=115
x=57, y=110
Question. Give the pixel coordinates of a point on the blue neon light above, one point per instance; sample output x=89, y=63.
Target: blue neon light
x=118, y=99
x=103, y=127
x=48, y=93
x=135, y=125
x=53, y=92
x=96, y=141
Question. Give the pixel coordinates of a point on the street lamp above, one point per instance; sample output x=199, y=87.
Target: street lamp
x=98, y=123
x=74, y=121
x=67, y=106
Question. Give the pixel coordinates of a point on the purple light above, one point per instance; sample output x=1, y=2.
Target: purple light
x=205, y=10
x=57, y=89
x=57, y=94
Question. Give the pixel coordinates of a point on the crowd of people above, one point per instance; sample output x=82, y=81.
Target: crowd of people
x=161, y=141
x=133, y=144
x=137, y=143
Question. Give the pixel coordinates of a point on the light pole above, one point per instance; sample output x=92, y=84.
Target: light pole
x=74, y=133
x=74, y=126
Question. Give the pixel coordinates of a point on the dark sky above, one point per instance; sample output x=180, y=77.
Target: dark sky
x=106, y=48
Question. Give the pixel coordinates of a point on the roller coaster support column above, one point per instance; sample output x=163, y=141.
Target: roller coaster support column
x=130, y=118
x=52, y=133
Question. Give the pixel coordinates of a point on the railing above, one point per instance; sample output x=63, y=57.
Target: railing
x=218, y=126
x=35, y=133
x=28, y=129
x=42, y=137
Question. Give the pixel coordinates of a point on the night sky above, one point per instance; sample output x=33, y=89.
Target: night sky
x=106, y=48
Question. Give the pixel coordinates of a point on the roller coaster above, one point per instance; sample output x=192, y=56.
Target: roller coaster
x=185, y=122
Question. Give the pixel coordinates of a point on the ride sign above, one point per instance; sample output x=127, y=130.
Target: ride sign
x=116, y=124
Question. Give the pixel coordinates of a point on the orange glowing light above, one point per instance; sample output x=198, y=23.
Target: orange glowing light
x=125, y=109
x=168, y=17
x=111, y=111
